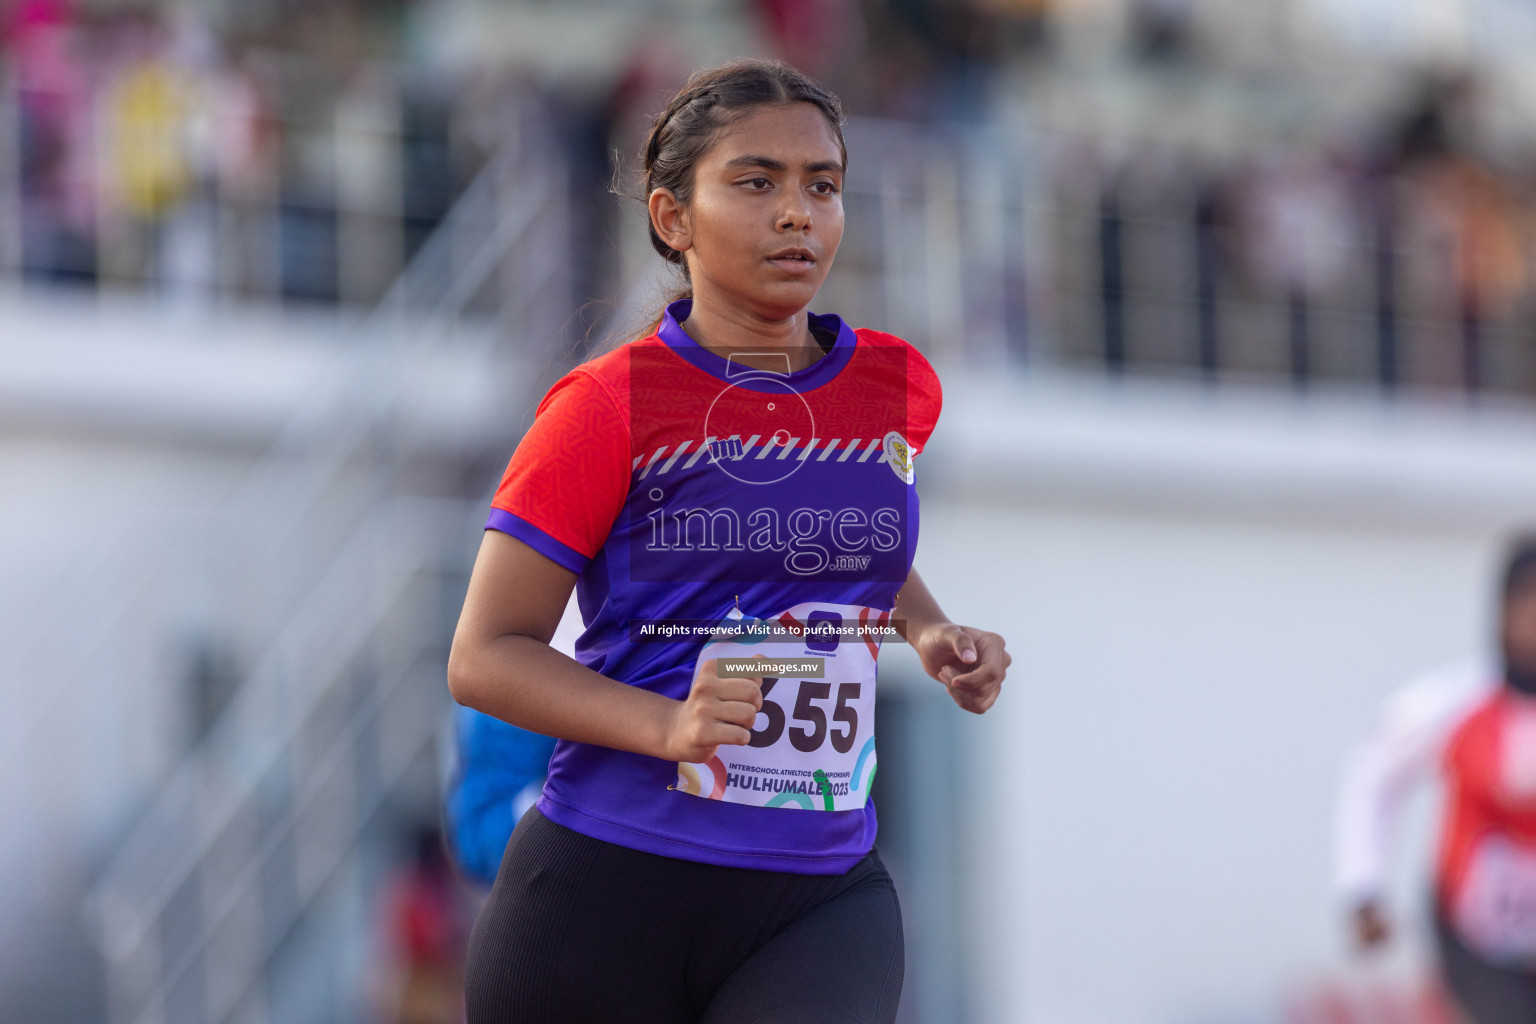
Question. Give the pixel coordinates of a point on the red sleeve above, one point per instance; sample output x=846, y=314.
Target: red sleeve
x=924, y=399
x=569, y=476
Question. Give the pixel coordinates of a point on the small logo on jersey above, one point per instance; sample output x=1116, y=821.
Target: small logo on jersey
x=763, y=420
x=730, y=448
x=898, y=456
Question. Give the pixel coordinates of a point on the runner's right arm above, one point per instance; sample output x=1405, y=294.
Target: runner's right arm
x=562, y=491
x=501, y=663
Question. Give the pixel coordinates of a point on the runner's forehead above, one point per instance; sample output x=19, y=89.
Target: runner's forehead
x=796, y=136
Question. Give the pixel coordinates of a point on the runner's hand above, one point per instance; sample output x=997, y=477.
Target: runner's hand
x=971, y=663
x=718, y=711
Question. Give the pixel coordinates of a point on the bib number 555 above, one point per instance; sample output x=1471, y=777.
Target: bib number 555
x=816, y=731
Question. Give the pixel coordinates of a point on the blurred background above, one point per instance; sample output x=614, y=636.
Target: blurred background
x=1235, y=311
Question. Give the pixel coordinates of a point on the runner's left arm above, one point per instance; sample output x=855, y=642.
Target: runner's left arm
x=970, y=662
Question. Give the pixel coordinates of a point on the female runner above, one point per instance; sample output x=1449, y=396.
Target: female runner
x=737, y=484
x=1474, y=725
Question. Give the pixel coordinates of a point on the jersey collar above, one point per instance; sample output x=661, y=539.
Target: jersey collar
x=813, y=376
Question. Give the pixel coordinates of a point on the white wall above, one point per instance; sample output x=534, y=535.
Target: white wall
x=142, y=455
x=1149, y=835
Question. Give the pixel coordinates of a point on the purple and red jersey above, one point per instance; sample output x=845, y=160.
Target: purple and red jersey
x=683, y=486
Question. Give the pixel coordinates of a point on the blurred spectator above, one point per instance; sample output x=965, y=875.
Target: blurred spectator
x=155, y=153
x=1300, y=226
x=1162, y=30
x=56, y=172
x=304, y=153
x=369, y=185
x=146, y=160
x=813, y=35
x=244, y=143
x=1461, y=224
x=1480, y=223
x=499, y=775
x=1474, y=724
x=938, y=61
x=1299, y=231
x=424, y=923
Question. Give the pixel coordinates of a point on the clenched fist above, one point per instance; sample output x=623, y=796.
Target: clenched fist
x=971, y=663
x=717, y=711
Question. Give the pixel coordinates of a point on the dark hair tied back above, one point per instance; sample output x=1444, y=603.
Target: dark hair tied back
x=712, y=99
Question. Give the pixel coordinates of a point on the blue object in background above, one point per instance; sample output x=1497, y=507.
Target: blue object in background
x=499, y=774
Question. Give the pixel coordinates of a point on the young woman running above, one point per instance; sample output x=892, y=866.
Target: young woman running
x=1475, y=725
x=738, y=483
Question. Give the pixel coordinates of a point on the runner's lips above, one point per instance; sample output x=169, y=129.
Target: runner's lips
x=794, y=255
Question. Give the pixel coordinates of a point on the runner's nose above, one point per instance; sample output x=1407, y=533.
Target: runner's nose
x=795, y=215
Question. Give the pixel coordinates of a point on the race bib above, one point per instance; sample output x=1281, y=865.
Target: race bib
x=1495, y=910
x=813, y=743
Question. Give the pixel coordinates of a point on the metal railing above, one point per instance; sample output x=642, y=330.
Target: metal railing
x=1007, y=248
x=263, y=186
x=238, y=842
x=243, y=837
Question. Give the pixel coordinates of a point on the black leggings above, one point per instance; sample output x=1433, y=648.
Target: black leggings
x=580, y=931
x=1487, y=993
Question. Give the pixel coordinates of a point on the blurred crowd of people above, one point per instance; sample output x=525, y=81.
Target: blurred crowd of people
x=296, y=152
x=1403, y=254
x=286, y=158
